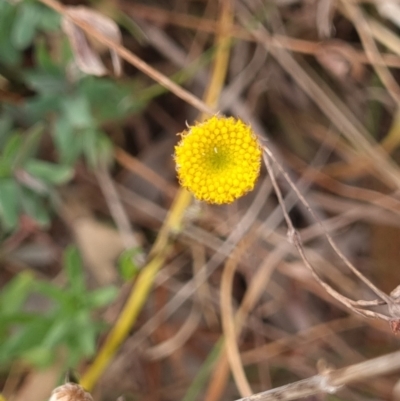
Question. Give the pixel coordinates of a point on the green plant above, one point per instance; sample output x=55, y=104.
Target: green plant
x=66, y=112
x=26, y=182
x=68, y=323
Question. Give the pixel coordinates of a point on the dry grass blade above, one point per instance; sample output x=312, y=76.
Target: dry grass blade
x=162, y=16
x=371, y=49
x=329, y=103
x=390, y=10
x=330, y=381
x=117, y=210
x=228, y=323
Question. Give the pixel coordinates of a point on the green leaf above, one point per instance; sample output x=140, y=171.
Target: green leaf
x=49, y=172
x=6, y=124
x=9, y=203
x=84, y=333
x=37, y=108
x=46, y=81
x=200, y=381
x=126, y=263
x=34, y=206
x=39, y=356
x=97, y=148
x=87, y=341
x=59, y=295
x=14, y=294
x=77, y=110
x=28, y=337
x=89, y=146
x=25, y=23
x=9, y=55
x=49, y=19
x=57, y=332
x=109, y=101
x=68, y=143
x=102, y=297
x=30, y=144
x=74, y=269
x=5, y=168
x=16, y=318
x=12, y=148
x=43, y=57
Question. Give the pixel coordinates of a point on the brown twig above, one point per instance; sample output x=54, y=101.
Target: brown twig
x=330, y=381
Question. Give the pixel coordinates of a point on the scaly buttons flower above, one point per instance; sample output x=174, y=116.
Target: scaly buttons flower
x=218, y=160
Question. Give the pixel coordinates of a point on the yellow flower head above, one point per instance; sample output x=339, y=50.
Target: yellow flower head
x=218, y=160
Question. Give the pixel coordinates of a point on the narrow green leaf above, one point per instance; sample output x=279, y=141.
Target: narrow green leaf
x=48, y=290
x=101, y=297
x=30, y=143
x=33, y=204
x=49, y=172
x=9, y=54
x=68, y=143
x=25, y=23
x=12, y=148
x=126, y=263
x=39, y=356
x=74, y=269
x=5, y=127
x=14, y=294
x=97, y=148
x=199, y=382
x=57, y=332
x=9, y=203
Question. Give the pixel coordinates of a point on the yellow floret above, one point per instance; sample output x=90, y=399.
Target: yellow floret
x=218, y=160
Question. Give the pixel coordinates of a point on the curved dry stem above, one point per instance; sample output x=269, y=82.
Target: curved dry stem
x=332, y=243
x=296, y=240
x=228, y=324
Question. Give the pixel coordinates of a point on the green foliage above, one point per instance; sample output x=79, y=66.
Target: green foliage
x=67, y=324
x=67, y=112
x=19, y=23
x=26, y=183
x=126, y=263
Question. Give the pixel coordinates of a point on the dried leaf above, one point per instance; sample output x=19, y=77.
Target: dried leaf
x=86, y=58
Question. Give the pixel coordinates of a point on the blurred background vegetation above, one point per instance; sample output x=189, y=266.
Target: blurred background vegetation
x=87, y=178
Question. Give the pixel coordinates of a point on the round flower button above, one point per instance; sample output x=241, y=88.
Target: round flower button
x=218, y=160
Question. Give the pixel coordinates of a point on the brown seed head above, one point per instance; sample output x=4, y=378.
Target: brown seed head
x=70, y=392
